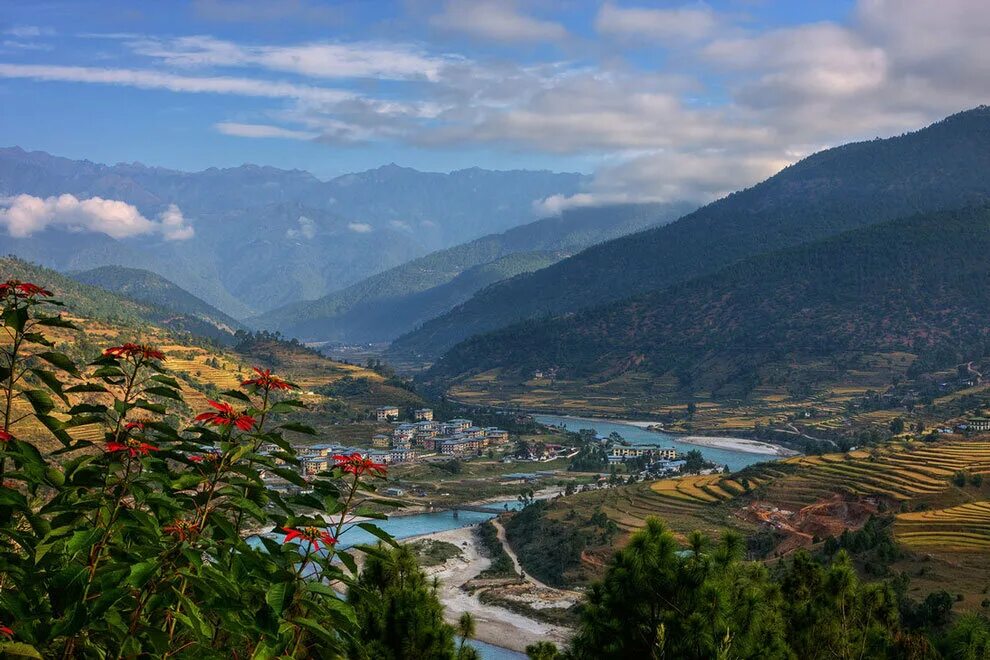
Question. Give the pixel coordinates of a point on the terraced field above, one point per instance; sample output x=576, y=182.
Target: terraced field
x=630, y=507
x=963, y=528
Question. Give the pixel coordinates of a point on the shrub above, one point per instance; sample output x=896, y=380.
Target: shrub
x=135, y=546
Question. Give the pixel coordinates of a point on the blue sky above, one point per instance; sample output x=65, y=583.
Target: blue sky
x=658, y=100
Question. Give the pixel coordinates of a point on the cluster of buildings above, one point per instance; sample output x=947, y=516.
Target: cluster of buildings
x=452, y=438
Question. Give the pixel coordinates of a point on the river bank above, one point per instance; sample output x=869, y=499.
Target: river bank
x=494, y=625
x=736, y=453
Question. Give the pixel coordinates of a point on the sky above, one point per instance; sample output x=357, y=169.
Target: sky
x=661, y=101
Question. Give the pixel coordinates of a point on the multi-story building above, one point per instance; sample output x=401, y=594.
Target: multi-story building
x=380, y=441
x=423, y=415
x=386, y=413
x=496, y=436
x=619, y=453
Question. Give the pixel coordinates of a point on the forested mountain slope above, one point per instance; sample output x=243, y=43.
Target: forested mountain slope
x=915, y=285
x=943, y=166
x=386, y=305
x=147, y=287
x=104, y=300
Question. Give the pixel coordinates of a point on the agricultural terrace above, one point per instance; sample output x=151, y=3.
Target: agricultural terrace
x=963, y=528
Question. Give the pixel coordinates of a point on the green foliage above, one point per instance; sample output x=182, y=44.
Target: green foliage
x=398, y=611
x=547, y=548
x=136, y=546
x=502, y=565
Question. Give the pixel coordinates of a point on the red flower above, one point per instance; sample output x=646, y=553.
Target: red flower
x=212, y=457
x=181, y=529
x=226, y=417
x=6, y=632
x=129, y=350
x=358, y=465
x=131, y=446
x=267, y=381
x=23, y=289
x=314, y=535
x=5, y=437
x=138, y=425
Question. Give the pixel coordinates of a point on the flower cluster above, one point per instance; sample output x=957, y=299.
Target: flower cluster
x=358, y=465
x=314, y=535
x=130, y=350
x=181, y=529
x=132, y=447
x=226, y=417
x=5, y=437
x=22, y=289
x=266, y=381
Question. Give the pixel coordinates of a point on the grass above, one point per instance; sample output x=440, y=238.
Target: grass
x=432, y=552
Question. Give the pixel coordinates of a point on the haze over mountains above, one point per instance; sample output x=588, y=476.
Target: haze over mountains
x=386, y=305
x=940, y=167
x=265, y=236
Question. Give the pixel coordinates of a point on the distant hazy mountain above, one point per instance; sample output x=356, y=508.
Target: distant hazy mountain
x=382, y=307
x=265, y=236
x=943, y=166
x=149, y=299
x=147, y=287
x=912, y=285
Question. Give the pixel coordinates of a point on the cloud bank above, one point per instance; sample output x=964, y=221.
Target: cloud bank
x=24, y=215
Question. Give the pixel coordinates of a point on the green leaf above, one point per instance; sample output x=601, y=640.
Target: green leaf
x=279, y=596
x=40, y=401
x=166, y=392
x=60, y=361
x=236, y=394
x=18, y=650
x=52, y=382
x=379, y=532
x=167, y=380
x=299, y=428
x=37, y=338
x=286, y=406
x=141, y=573
x=55, y=322
x=86, y=387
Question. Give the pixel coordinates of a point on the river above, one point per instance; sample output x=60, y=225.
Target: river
x=736, y=460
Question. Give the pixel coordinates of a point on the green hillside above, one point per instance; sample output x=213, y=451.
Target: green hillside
x=940, y=167
x=102, y=303
x=386, y=305
x=915, y=285
x=147, y=287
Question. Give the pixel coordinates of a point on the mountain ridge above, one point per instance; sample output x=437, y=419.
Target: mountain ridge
x=431, y=281
x=835, y=190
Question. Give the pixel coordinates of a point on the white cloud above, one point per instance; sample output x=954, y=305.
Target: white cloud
x=28, y=31
x=318, y=60
x=399, y=224
x=360, y=227
x=146, y=79
x=262, y=131
x=24, y=215
x=689, y=23
x=306, y=229
x=495, y=20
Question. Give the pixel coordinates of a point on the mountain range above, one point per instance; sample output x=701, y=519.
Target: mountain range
x=265, y=237
x=913, y=285
x=940, y=167
x=383, y=306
